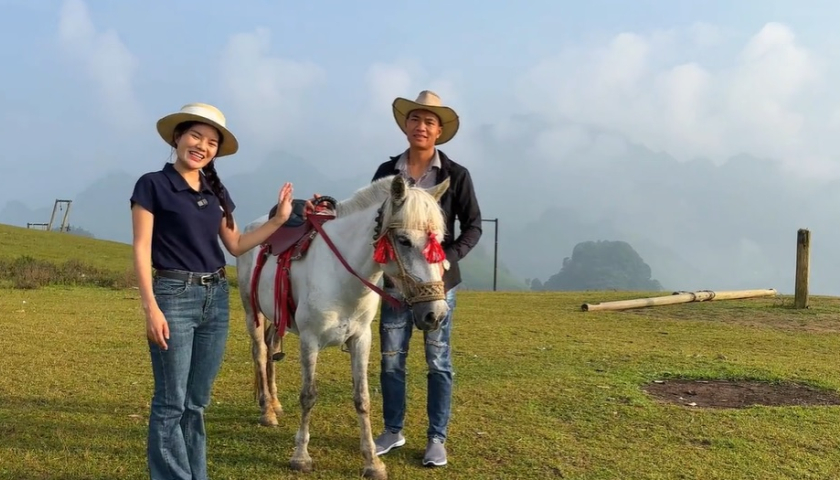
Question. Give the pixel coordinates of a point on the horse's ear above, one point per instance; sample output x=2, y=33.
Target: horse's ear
x=438, y=190
x=398, y=190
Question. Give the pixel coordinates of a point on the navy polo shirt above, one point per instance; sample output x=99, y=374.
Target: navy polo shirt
x=186, y=222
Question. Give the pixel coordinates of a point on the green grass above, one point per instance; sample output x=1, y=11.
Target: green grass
x=58, y=247
x=543, y=390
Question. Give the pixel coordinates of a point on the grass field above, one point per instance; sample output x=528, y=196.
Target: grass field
x=542, y=389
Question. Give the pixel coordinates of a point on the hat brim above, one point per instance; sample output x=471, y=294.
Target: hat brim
x=166, y=129
x=450, y=123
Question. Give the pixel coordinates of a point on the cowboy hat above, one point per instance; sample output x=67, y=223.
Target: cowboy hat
x=198, y=112
x=430, y=101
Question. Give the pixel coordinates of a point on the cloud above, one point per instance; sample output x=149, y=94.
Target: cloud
x=404, y=78
x=268, y=93
x=656, y=89
x=361, y=132
x=105, y=59
x=385, y=82
x=706, y=35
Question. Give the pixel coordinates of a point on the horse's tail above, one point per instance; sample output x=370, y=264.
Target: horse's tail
x=246, y=265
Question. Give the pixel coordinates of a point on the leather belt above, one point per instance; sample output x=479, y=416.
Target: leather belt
x=192, y=277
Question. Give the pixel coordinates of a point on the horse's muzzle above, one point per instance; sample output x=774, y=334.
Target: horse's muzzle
x=429, y=315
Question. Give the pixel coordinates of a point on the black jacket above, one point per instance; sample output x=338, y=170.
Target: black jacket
x=460, y=202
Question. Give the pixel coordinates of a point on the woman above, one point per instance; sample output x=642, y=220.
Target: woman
x=178, y=215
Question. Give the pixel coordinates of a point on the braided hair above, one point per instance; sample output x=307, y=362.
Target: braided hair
x=218, y=189
x=211, y=175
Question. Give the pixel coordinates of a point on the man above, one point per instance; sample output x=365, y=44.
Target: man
x=426, y=123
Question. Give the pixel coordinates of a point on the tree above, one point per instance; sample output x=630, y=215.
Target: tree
x=603, y=265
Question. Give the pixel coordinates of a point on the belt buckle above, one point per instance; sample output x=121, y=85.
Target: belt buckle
x=205, y=279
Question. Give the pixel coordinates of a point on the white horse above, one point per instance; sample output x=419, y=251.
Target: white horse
x=335, y=308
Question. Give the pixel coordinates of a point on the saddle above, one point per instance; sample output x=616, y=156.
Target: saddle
x=296, y=227
x=287, y=243
x=296, y=218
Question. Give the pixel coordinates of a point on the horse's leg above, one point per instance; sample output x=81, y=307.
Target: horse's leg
x=259, y=353
x=271, y=379
x=308, y=394
x=359, y=354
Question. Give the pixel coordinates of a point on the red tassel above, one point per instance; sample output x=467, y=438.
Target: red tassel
x=433, y=250
x=383, y=251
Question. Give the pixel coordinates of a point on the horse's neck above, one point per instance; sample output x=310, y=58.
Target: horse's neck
x=353, y=236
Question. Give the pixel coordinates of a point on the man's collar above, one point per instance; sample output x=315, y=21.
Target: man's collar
x=402, y=161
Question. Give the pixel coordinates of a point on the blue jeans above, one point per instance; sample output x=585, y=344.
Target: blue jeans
x=395, y=329
x=198, y=318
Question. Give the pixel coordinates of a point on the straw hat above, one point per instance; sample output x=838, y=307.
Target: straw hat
x=428, y=100
x=200, y=112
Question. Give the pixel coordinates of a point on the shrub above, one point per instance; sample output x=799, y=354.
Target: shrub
x=26, y=272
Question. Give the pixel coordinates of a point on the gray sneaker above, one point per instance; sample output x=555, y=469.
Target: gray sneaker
x=388, y=441
x=435, y=453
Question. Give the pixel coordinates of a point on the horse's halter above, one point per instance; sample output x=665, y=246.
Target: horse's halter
x=413, y=291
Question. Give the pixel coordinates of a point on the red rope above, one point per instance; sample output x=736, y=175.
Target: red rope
x=433, y=250
x=383, y=251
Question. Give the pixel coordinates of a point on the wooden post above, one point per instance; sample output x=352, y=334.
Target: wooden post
x=803, y=260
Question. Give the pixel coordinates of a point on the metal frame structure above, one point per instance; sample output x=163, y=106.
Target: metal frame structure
x=56, y=207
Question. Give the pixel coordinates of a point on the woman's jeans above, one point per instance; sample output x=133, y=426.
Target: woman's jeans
x=395, y=329
x=198, y=318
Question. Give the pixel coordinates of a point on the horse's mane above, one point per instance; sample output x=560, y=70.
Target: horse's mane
x=374, y=193
x=420, y=210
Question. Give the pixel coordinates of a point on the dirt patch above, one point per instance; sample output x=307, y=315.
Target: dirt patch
x=738, y=394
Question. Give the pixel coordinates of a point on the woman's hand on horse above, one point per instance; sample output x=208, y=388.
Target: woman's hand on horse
x=157, y=329
x=284, y=204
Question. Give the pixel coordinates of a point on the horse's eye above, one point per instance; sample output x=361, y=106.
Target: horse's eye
x=404, y=241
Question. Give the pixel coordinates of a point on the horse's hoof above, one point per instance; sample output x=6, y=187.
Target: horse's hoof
x=304, y=466
x=269, y=421
x=380, y=473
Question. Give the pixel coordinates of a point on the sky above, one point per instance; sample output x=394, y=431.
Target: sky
x=85, y=81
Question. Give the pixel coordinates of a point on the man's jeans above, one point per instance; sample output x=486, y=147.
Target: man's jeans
x=395, y=329
x=198, y=318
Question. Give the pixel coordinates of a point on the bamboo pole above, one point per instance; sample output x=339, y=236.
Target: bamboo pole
x=677, y=298
x=803, y=266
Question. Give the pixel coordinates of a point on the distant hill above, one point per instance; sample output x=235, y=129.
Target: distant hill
x=602, y=265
